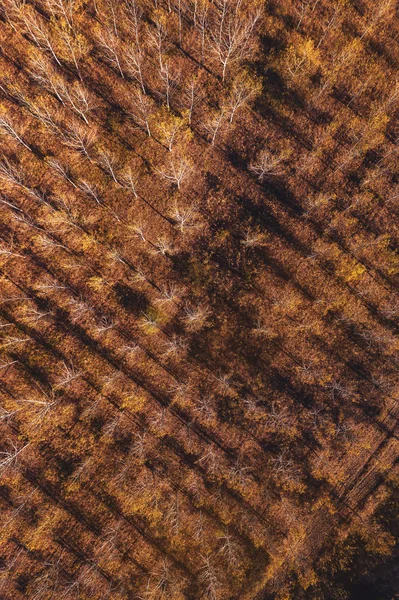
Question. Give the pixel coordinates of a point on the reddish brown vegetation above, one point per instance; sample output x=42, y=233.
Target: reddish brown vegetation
x=199, y=315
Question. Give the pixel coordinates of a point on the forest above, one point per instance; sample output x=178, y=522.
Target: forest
x=199, y=308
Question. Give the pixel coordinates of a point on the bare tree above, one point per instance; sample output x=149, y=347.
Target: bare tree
x=171, y=293
x=229, y=548
x=193, y=94
x=63, y=14
x=142, y=111
x=253, y=239
x=41, y=405
x=75, y=96
x=78, y=98
x=176, y=346
x=185, y=218
x=201, y=22
x=12, y=456
x=82, y=470
x=63, y=8
x=110, y=46
x=172, y=516
x=244, y=88
x=301, y=10
x=106, y=323
x=13, y=341
x=80, y=138
x=47, y=581
x=195, y=317
x=129, y=181
x=209, y=578
x=209, y=459
x=7, y=126
x=109, y=163
x=135, y=16
x=169, y=80
x=231, y=36
x=214, y=124
x=168, y=130
x=177, y=171
x=36, y=29
x=7, y=364
x=62, y=170
x=163, y=246
x=157, y=36
x=90, y=190
x=133, y=60
x=11, y=173
x=69, y=374
x=34, y=316
x=266, y=164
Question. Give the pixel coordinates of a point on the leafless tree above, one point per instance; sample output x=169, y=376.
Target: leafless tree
x=214, y=124
x=75, y=96
x=11, y=173
x=301, y=9
x=177, y=171
x=338, y=389
x=231, y=36
x=90, y=190
x=129, y=181
x=133, y=61
x=37, y=30
x=64, y=11
x=200, y=17
x=195, y=316
x=170, y=294
x=62, y=170
x=209, y=578
x=209, y=460
x=12, y=456
x=157, y=35
x=105, y=324
x=169, y=130
x=79, y=138
x=143, y=109
x=63, y=8
x=266, y=164
x=277, y=417
x=13, y=341
x=135, y=16
x=243, y=89
x=82, y=470
x=7, y=127
x=7, y=364
x=69, y=374
x=110, y=46
x=109, y=163
x=169, y=80
x=205, y=407
x=185, y=218
x=43, y=114
x=193, y=94
x=47, y=581
x=163, y=246
x=78, y=98
x=229, y=548
x=34, y=316
x=8, y=299
x=253, y=239
x=176, y=346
